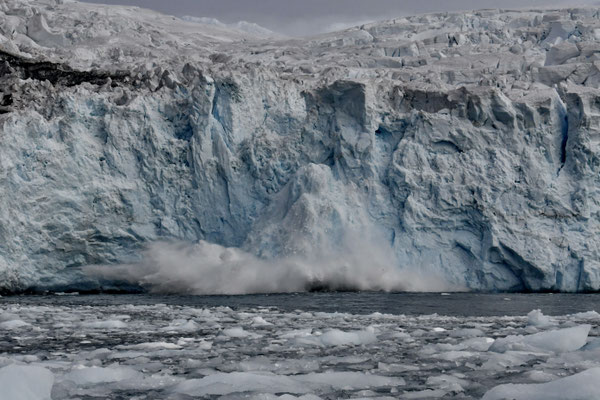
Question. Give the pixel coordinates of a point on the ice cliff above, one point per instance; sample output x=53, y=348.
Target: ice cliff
x=466, y=143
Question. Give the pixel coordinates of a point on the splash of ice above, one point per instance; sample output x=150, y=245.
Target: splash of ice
x=205, y=268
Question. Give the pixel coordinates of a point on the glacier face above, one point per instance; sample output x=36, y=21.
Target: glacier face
x=466, y=142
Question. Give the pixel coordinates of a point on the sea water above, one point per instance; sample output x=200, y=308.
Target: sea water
x=313, y=345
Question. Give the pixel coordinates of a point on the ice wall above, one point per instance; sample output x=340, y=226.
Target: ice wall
x=466, y=143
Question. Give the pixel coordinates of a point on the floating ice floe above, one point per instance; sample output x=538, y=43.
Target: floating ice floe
x=25, y=382
x=108, y=324
x=96, y=375
x=558, y=341
x=13, y=324
x=582, y=386
x=260, y=321
x=336, y=337
x=239, y=332
x=182, y=325
x=152, y=346
x=221, y=384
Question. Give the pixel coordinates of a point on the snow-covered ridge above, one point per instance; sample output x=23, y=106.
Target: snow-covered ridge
x=463, y=145
x=243, y=26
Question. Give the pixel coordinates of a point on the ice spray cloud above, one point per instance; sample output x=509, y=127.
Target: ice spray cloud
x=204, y=268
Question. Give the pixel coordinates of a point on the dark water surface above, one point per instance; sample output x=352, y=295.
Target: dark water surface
x=451, y=304
x=190, y=347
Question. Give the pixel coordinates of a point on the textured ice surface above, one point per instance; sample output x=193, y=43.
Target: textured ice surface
x=289, y=353
x=560, y=340
x=463, y=146
x=25, y=382
x=94, y=375
x=536, y=318
x=581, y=386
x=243, y=26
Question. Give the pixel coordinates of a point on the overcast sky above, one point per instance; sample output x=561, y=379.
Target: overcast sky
x=305, y=17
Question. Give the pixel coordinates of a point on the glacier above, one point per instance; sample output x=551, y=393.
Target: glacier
x=464, y=144
x=242, y=26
